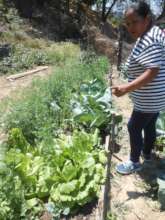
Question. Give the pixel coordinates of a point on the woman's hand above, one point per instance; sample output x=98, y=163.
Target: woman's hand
x=142, y=80
x=119, y=90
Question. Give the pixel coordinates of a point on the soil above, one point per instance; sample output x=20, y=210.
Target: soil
x=133, y=197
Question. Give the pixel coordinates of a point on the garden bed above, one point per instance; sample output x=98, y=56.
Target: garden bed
x=54, y=152
x=99, y=208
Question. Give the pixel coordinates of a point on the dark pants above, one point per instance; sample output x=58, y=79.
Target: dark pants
x=141, y=122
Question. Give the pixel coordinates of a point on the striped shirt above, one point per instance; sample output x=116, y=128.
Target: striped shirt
x=148, y=52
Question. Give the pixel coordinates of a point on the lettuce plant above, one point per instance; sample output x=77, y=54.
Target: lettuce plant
x=68, y=171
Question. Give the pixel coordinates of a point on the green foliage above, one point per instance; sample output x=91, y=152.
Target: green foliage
x=60, y=53
x=161, y=122
x=124, y=71
x=17, y=140
x=22, y=58
x=92, y=106
x=33, y=114
x=12, y=18
x=160, y=127
x=27, y=52
x=42, y=109
x=69, y=171
x=11, y=196
x=115, y=21
x=160, y=143
x=81, y=170
x=70, y=164
x=111, y=216
x=13, y=205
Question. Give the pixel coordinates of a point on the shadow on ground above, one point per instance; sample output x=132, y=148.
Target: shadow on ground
x=150, y=172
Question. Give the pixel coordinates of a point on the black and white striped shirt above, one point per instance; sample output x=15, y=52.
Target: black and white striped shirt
x=148, y=52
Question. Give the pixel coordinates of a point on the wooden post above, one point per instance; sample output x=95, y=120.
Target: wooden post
x=106, y=196
x=107, y=190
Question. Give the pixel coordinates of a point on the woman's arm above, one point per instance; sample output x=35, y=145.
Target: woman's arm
x=140, y=81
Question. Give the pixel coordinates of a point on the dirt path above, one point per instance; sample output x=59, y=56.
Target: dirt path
x=132, y=198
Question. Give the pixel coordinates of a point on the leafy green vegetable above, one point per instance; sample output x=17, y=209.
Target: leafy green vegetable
x=69, y=172
x=160, y=129
x=92, y=106
x=17, y=140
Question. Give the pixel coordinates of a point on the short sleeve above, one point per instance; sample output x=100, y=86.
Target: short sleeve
x=151, y=56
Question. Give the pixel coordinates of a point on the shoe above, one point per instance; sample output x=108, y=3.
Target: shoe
x=128, y=167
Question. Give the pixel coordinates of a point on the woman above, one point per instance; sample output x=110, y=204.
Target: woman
x=146, y=83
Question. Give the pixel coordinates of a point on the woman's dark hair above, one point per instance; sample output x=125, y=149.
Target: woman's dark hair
x=141, y=8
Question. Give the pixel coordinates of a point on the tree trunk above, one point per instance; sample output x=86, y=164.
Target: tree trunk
x=104, y=10
x=109, y=10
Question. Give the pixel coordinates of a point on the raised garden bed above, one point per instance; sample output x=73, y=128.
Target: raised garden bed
x=99, y=208
x=66, y=169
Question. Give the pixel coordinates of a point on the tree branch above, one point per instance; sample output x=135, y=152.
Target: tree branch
x=163, y=12
x=109, y=10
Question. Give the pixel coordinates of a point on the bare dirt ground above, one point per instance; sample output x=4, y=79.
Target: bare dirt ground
x=132, y=197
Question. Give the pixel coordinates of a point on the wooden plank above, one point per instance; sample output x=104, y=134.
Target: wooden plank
x=104, y=199
x=106, y=192
x=26, y=73
x=109, y=147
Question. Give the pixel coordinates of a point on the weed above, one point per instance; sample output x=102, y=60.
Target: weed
x=111, y=216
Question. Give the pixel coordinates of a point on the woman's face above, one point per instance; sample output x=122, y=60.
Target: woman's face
x=135, y=24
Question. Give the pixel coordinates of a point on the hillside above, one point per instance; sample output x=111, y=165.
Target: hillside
x=47, y=25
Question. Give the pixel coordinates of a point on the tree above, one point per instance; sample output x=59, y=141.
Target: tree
x=105, y=12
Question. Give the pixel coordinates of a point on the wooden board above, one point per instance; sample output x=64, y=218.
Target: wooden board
x=26, y=73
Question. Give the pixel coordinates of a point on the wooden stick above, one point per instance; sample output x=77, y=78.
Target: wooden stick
x=110, y=142
x=106, y=193
x=114, y=155
x=101, y=209
x=29, y=72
